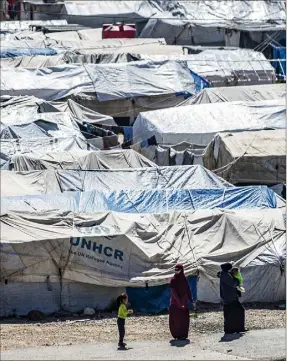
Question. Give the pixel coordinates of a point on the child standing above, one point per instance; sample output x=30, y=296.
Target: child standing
x=122, y=315
x=236, y=274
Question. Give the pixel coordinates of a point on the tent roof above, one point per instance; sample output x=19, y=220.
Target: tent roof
x=238, y=93
x=35, y=244
x=79, y=159
x=57, y=181
x=197, y=124
x=144, y=78
x=241, y=15
x=146, y=201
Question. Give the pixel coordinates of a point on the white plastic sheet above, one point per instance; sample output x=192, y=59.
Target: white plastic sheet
x=198, y=124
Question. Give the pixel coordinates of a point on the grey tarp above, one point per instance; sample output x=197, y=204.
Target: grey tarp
x=145, y=78
x=248, y=157
x=199, y=123
x=25, y=24
x=9, y=147
x=57, y=181
x=122, y=54
x=111, y=249
x=62, y=45
x=238, y=93
x=79, y=159
x=82, y=114
x=227, y=66
x=129, y=108
x=28, y=108
x=240, y=15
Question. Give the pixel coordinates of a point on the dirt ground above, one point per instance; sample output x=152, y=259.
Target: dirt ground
x=19, y=333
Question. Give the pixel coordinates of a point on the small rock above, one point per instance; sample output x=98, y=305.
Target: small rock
x=89, y=311
x=35, y=315
x=229, y=350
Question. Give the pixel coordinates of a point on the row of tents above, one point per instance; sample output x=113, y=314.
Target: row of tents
x=114, y=168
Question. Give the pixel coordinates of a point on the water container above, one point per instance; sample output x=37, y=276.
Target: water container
x=119, y=31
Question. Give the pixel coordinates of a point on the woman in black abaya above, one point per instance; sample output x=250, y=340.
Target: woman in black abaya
x=234, y=313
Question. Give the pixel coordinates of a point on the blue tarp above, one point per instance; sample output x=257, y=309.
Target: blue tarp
x=146, y=201
x=13, y=53
x=155, y=299
x=279, y=53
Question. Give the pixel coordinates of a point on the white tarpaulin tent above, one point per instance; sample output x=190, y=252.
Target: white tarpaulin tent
x=199, y=123
x=249, y=157
x=26, y=24
x=238, y=93
x=226, y=67
x=109, y=81
x=240, y=15
x=118, y=250
x=58, y=181
x=79, y=159
x=10, y=147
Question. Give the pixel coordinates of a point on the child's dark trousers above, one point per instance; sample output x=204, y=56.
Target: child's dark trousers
x=121, y=327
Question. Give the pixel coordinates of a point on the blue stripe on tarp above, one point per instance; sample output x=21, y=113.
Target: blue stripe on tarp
x=279, y=53
x=200, y=82
x=147, y=201
x=13, y=53
x=156, y=299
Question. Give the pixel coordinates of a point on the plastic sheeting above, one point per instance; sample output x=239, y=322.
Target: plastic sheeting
x=9, y=147
x=240, y=15
x=227, y=66
x=114, y=81
x=57, y=181
x=109, y=81
x=238, y=93
x=145, y=201
x=82, y=160
x=198, y=124
x=111, y=249
x=15, y=52
x=155, y=299
x=55, y=124
x=279, y=52
x=254, y=157
x=26, y=24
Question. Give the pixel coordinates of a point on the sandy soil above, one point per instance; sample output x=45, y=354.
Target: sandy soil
x=18, y=333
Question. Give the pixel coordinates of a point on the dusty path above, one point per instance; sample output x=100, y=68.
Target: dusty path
x=211, y=347
x=79, y=330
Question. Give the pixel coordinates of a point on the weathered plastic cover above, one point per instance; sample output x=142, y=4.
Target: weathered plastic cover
x=79, y=159
x=110, y=81
x=58, y=181
x=197, y=124
x=25, y=24
x=145, y=201
x=256, y=157
x=117, y=249
x=226, y=66
x=238, y=93
x=241, y=15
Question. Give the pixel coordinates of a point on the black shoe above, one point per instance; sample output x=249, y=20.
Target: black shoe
x=122, y=344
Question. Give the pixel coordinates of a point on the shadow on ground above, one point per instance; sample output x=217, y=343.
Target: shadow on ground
x=179, y=343
x=231, y=337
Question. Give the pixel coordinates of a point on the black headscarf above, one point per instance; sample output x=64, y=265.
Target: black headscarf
x=226, y=267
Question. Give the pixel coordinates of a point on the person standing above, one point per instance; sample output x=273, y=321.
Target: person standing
x=122, y=315
x=178, y=311
x=233, y=311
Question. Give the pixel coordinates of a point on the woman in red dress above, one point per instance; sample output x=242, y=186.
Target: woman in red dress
x=178, y=311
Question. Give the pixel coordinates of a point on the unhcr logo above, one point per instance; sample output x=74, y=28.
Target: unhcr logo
x=97, y=248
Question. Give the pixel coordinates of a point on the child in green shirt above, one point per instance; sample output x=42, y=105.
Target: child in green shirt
x=236, y=274
x=122, y=315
